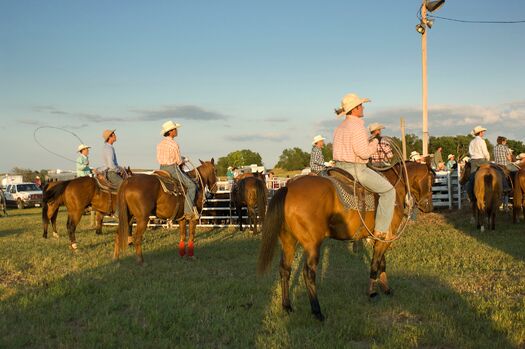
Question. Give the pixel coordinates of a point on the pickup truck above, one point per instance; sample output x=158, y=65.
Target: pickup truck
x=23, y=195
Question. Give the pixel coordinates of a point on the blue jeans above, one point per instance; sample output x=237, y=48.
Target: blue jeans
x=176, y=173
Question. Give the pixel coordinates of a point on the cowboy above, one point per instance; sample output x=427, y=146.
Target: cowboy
x=110, y=158
x=503, y=154
x=170, y=160
x=83, y=168
x=316, y=156
x=451, y=162
x=384, y=151
x=520, y=160
x=477, y=149
x=352, y=149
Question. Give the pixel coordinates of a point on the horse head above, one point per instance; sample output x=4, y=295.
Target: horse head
x=208, y=174
x=421, y=177
x=465, y=174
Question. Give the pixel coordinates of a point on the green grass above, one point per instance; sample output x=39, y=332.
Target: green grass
x=454, y=288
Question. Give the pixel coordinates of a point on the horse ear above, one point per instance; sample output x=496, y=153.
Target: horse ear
x=212, y=161
x=202, y=162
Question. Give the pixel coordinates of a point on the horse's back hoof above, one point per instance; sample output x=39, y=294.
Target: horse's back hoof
x=373, y=297
x=55, y=235
x=288, y=309
x=319, y=316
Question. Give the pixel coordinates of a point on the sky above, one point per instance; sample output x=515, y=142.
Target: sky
x=258, y=75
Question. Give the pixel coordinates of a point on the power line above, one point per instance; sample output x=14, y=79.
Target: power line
x=476, y=21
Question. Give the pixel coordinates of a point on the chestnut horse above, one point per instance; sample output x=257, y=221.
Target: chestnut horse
x=519, y=195
x=308, y=211
x=485, y=199
x=76, y=194
x=142, y=195
x=250, y=191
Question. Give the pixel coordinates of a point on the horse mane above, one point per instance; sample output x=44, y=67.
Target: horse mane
x=54, y=192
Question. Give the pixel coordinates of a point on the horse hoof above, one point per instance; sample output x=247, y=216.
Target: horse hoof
x=288, y=309
x=373, y=297
x=319, y=316
x=55, y=235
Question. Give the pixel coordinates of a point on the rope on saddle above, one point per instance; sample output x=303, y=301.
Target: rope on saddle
x=352, y=200
x=164, y=184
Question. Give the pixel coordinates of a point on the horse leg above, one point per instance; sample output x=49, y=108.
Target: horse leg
x=142, y=224
x=54, y=223
x=288, y=243
x=239, y=215
x=493, y=220
x=253, y=219
x=193, y=228
x=72, y=221
x=376, y=268
x=99, y=219
x=309, y=272
x=182, y=230
x=130, y=230
x=383, y=279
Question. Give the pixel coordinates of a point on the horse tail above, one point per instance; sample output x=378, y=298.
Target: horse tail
x=261, y=199
x=123, y=217
x=518, y=191
x=483, y=190
x=270, y=230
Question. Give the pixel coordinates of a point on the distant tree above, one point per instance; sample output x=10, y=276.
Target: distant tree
x=517, y=146
x=238, y=158
x=293, y=159
x=28, y=175
x=328, y=152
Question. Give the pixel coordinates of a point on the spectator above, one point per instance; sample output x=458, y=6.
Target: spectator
x=437, y=161
x=451, y=163
x=316, y=157
x=38, y=182
x=415, y=157
x=384, y=152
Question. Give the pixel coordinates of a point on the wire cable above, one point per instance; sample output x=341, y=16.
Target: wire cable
x=476, y=21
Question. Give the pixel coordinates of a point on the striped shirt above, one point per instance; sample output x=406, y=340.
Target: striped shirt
x=501, y=154
x=168, y=152
x=351, y=141
x=316, y=160
x=383, y=153
x=478, y=149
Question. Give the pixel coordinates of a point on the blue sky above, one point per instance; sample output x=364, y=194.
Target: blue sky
x=245, y=74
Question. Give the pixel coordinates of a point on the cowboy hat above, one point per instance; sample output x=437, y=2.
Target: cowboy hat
x=82, y=147
x=450, y=156
x=414, y=153
x=477, y=130
x=317, y=139
x=465, y=159
x=168, y=126
x=349, y=102
x=375, y=126
x=107, y=133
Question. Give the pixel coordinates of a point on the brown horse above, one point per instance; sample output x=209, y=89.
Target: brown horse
x=76, y=194
x=142, y=195
x=485, y=198
x=308, y=211
x=519, y=195
x=251, y=192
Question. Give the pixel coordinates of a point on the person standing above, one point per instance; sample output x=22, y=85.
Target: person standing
x=170, y=160
x=316, y=156
x=384, y=152
x=437, y=161
x=351, y=151
x=83, y=168
x=110, y=158
x=477, y=149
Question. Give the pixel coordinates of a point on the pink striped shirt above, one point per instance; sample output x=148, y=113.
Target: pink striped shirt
x=168, y=152
x=351, y=141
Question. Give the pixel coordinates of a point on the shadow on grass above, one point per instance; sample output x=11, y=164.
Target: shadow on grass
x=10, y=231
x=507, y=237
x=216, y=301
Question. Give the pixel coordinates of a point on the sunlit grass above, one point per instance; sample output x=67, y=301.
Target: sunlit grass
x=454, y=288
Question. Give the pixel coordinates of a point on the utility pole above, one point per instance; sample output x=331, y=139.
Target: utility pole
x=403, y=138
x=424, y=77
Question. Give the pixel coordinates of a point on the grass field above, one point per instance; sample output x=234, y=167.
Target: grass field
x=454, y=288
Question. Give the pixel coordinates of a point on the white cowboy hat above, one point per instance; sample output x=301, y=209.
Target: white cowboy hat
x=450, y=156
x=520, y=156
x=317, y=139
x=414, y=153
x=477, y=130
x=349, y=102
x=82, y=147
x=375, y=126
x=465, y=159
x=168, y=126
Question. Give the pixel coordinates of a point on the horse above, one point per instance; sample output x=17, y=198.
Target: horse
x=3, y=203
x=76, y=194
x=485, y=198
x=519, y=195
x=143, y=195
x=251, y=192
x=308, y=211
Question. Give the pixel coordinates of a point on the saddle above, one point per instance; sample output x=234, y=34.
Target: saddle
x=169, y=184
x=101, y=178
x=353, y=196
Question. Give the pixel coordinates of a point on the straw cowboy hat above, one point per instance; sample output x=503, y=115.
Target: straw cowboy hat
x=450, y=156
x=168, y=126
x=375, y=126
x=107, y=133
x=317, y=139
x=477, y=130
x=82, y=147
x=349, y=102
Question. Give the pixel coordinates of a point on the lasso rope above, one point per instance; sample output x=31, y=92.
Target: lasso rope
x=407, y=215
x=49, y=150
